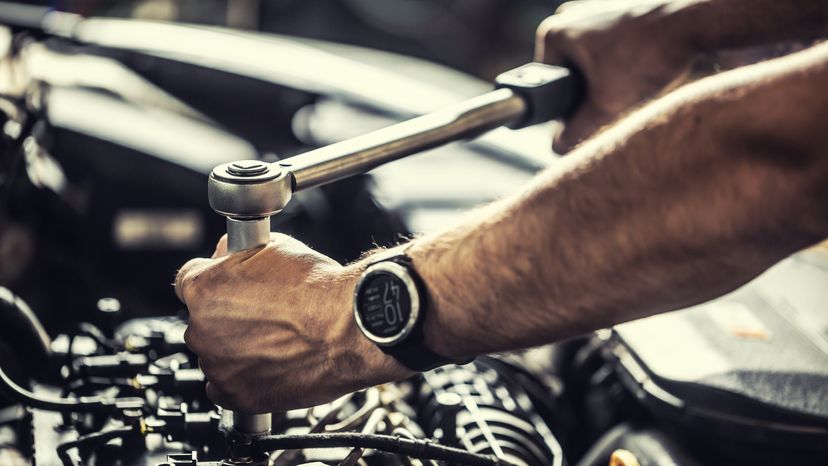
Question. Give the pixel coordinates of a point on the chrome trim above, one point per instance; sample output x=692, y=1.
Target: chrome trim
x=464, y=120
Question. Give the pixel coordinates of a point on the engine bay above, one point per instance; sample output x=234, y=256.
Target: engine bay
x=482, y=408
x=130, y=392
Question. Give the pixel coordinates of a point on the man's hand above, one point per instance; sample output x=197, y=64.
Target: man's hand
x=274, y=329
x=628, y=52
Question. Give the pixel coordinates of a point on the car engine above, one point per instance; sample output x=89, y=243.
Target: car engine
x=138, y=398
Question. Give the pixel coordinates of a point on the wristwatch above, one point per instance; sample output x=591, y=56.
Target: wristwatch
x=390, y=305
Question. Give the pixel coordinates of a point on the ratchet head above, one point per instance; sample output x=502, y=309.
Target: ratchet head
x=249, y=189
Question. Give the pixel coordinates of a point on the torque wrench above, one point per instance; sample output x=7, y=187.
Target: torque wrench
x=249, y=192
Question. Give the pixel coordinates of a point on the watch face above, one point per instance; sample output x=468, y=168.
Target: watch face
x=383, y=307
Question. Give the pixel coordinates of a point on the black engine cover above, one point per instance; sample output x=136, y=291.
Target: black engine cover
x=746, y=375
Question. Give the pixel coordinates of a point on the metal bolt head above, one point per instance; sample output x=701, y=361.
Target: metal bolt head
x=109, y=305
x=246, y=171
x=247, y=168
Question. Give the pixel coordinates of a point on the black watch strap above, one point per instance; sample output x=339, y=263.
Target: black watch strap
x=414, y=354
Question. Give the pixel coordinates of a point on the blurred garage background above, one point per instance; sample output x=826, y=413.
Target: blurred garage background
x=480, y=37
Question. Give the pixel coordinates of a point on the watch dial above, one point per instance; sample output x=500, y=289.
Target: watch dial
x=384, y=304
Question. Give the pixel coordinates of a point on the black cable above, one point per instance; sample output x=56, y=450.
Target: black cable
x=87, y=404
x=19, y=394
x=421, y=449
x=23, y=332
x=98, y=438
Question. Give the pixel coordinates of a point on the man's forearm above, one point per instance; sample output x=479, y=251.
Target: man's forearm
x=683, y=201
x=726, y=24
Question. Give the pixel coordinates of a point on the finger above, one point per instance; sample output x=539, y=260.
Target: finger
x=217, y=396
x=568, y=6
x=184, y=277
x=585, y=123
x=189, y=342
x=204, y=367
x=547, y=41
x=221, y=247
x=195, y=343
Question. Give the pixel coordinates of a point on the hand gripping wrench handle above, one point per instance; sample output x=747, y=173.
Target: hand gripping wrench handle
x=249, y=192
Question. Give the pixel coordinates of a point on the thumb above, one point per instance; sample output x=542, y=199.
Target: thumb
x=221, y=247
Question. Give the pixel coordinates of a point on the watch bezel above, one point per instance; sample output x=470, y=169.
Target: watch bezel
x=404, y=275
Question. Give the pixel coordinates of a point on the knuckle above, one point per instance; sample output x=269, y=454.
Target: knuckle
x=193, y=286
x=189, y=284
